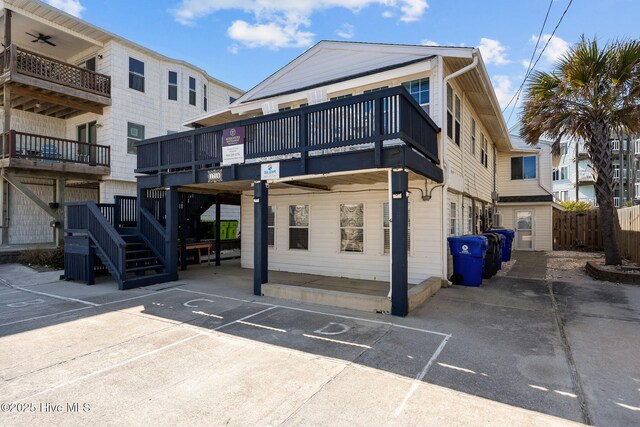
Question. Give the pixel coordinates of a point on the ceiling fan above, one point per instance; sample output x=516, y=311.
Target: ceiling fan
x=41, y=38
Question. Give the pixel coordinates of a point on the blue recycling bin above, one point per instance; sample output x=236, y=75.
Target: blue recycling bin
x=468, y=259
x=509, y=235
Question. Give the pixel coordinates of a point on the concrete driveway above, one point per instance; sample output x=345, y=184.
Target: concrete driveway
x=202, y=351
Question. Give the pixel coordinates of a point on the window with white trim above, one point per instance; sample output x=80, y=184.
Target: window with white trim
x=352, y=227
x=472, y=147
x=173, y=86
x=564, y=172
x=453, y=218
x=136, y=74
x=453, y=115
x=523, y=167
x=192, y=91
x=135, y=133
x=205, y=103
x=271, y=226
x=469, y=219
x=419, y=89
x=484, y=151
x=386, y=227
x=299, y=227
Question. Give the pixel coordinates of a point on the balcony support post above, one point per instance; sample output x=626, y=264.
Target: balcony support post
x=260, y=234
x=6, y=132
x=171, y=236
x=399, y=215
x=7, y=28
x=4, y=211
x=218, y=241
x=58, y=197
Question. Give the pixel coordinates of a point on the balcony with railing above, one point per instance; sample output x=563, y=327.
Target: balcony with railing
x=376, y=122
x=30, y=151
x=51, y=82
x=585, y=176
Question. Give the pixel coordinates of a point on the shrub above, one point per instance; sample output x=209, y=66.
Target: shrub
x=575, y=206
x=52, y=258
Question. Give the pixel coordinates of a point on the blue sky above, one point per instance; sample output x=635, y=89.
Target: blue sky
x=244, y=41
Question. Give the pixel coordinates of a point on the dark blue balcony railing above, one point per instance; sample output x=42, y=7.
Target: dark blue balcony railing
x=350, y=123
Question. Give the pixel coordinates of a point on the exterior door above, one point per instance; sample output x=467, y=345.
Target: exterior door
x=524, y=230
x=87, y=134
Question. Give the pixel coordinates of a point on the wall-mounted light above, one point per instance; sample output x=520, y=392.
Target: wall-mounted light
x=99, y=56
x=98, y=125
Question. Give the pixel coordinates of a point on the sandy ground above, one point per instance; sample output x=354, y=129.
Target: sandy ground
x=569, y=265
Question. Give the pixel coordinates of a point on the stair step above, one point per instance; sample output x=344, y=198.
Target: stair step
x=129, y=244
x=146, y=280
x=151, y=258
x=138, y=251
x=144, y=267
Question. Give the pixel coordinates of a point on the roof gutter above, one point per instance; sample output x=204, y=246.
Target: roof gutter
x=443, y=140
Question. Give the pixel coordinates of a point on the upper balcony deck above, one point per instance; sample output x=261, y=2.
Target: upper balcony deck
x=51, y=87
x=383, y=129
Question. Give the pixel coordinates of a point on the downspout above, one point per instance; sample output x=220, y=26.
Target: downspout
x=444, y=140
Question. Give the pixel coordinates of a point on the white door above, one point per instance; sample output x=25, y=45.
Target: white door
x=524, y=230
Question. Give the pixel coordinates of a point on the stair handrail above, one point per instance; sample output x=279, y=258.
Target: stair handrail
x=106, y=238
x=154, y=236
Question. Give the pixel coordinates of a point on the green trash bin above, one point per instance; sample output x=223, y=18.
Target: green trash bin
x=224, y=226
x=232, y=231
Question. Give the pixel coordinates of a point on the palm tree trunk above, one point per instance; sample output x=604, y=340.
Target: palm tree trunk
x=599, y=148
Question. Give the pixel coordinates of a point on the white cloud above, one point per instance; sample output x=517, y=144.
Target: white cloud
x=346, y=31
x=493, y=52
x=388, y=14
x=428, y=42
x=282, y=23
x=72, y=7
x=503, y=88
x=555, y=50
x=234, y=49
x=272, y=35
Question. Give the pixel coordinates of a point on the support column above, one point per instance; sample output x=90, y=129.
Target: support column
x=171, y=236
x=58, y=198
x=7, y=88
x=218, y=242
x=260, y=235
x=4, y=211
x=399, y=216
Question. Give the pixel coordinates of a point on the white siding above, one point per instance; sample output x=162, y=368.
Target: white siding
x=541, y=185
x=324, y=256
x=542, y=223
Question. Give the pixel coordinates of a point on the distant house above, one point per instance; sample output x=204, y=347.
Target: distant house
x=76, y=99
x=626, y=174
x=525, y=201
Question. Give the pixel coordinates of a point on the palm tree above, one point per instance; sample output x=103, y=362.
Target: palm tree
x=592, y=93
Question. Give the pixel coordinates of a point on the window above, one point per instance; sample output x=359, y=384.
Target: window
x=484, y=152
x=564, y=172
x=375, y=89
x=563, y=148
x=352, y=227
x=232, y=99
x=335, y=98
x=205, y=102
x=271, y=226
x=86, y=133
x=523, y=167
x=173, y=86
x=136, y=74
x=469, y=219
x=89, y=64
x=473, y=137
x=386, y=228
x=135, y=133
x=299, y=227
x=453, y=218
x=453, y=111
x=192, y=91
x=556, y=175
x=284, y=109
x=419, y=89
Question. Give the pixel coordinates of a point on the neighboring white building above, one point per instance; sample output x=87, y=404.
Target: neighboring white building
x=626, y=165
x=78, y=82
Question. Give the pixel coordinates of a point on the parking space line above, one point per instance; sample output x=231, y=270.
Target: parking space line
x=44, y=316
x=342, y=316
x=256, y=325
x=109, y=368
x=337, y=341
x=81, y=308
x=418, y=380
x=19, y=288
x=244, y=318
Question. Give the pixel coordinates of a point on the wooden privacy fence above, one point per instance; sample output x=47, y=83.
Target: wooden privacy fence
x=629, y=235
x=576, y=231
